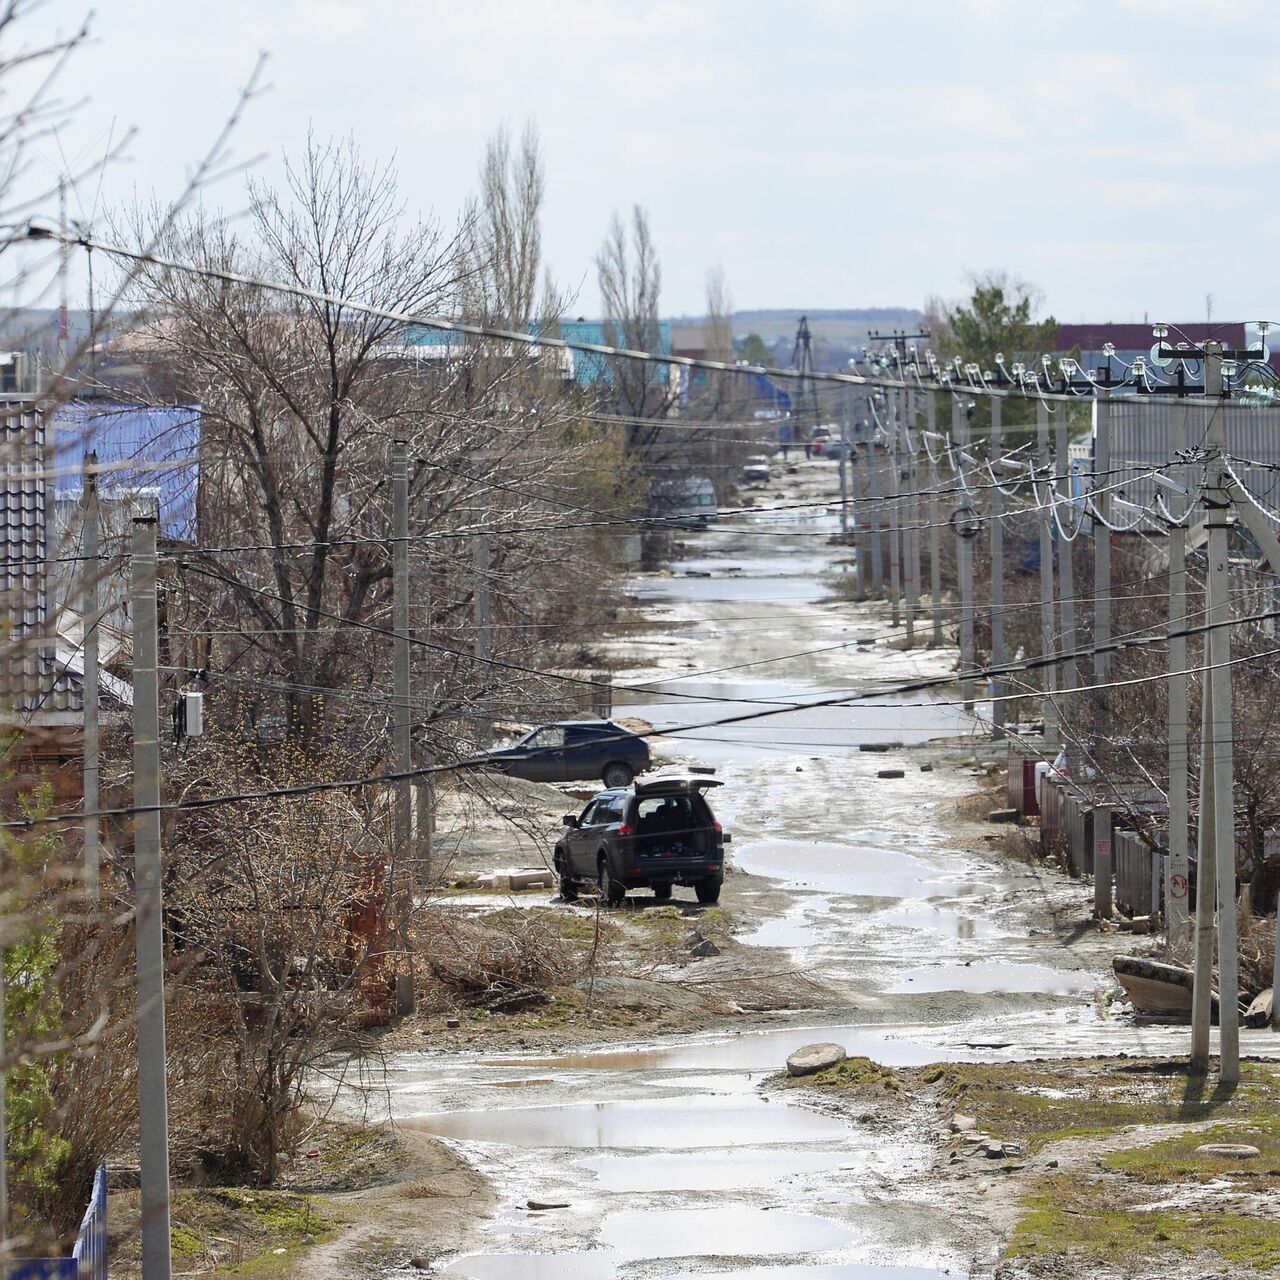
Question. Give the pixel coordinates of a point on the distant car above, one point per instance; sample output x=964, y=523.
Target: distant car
x=571, y=751
x=685, y=503
x=657, y=833
x=819, y=441
x=756, y=469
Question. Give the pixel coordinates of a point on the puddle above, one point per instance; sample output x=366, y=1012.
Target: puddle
x=827, y=1271
x=911, y=1046
x=992, y=976
x=951, y=924
x=859, y=870
x=674, y=1122
x=517, y=1084
x=743, y=1168
x=757, y=589
x=732, y=1231
x=535, y=1266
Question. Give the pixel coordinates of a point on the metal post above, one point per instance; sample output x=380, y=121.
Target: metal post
x=1066, y=566
x=895, y=514
x=1102, y=861
x=964, y=557
x=1206, y=875
x=935, y=530
x=1177, y=922
x=153, y=1104
x=402, y=728
x=997, y=571
x=1102, y=586
x=1218, y=672
x=862, y=546
x=1046, y=569
x=89, y=608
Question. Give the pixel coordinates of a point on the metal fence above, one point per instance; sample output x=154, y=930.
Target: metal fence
x=88, y=1259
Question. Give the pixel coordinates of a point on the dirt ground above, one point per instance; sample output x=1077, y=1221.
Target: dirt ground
x=611, y=1062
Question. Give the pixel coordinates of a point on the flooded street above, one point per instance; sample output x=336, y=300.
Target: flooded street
x=667, y=1158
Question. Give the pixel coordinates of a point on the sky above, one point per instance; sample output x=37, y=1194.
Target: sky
x=1121, y=155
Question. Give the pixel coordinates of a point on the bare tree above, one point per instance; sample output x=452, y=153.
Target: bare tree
x=630, y=278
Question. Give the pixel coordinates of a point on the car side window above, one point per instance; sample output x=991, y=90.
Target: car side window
x=588, y=814
x=550, y=737
x=608, y=811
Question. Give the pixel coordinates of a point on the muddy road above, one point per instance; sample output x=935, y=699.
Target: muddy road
x=673, y=1157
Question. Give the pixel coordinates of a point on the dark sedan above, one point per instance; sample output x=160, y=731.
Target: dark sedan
x=574, y=750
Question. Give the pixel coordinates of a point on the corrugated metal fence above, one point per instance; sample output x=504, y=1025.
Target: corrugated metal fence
x=88, y=1259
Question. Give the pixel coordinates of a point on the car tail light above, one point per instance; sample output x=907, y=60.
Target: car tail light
x=718, y=827
x=626, y=829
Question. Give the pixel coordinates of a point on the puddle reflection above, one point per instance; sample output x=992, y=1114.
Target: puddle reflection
x=732, y=1231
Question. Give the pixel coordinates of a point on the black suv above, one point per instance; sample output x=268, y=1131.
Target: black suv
x=573, y=750
x=654, y=834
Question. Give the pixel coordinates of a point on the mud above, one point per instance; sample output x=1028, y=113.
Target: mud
x=677, y=1156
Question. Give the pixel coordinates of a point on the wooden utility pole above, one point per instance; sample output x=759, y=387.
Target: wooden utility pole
x=402, y=726
x=964, y=552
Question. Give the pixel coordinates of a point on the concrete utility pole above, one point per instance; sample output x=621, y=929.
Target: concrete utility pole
x=997, y=571
x=1046, y=570
x=153, y=1102
x=935, y=528
x=89, y=577
x=873, y=508
x=1218, y=677
x=1177, y=923
x=861, y=540
x=911, y=564
x=402, y=729
x=1102, y=584
x=1206, y=878
x=1066, y=564
x=895, y=515
x=483, y=645
x=964, y=553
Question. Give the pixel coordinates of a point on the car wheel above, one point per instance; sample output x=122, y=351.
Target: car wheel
x=617, y=774
x=568, y=885
x=612, y=891
x=662, y=892
x=708, y=890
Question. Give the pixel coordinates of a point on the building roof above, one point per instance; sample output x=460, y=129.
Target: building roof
x=1092, y=336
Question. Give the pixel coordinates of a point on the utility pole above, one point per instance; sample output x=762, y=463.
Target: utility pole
x=911, y=563
x=873, y=509
x=64, y=263
x=1179, y=878
x=1206, y=880
x=1217, y=676
x=1102, y=585
x=895, y=520
x=845, y=446
x=935, y=527
x=90, y=620
x=964, y=552
x=861, y=538
x=805, y=403
x=1046, y=566
x=153, y=1104
x=483, y=644
x=997, y=570
x=1066, y=563
x=402, y=729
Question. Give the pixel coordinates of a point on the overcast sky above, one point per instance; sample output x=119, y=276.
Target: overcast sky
x=1120, y=154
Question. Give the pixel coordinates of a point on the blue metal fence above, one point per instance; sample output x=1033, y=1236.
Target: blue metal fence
x=88, y=1259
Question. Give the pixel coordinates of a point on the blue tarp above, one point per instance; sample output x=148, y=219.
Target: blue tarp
x=159, y=448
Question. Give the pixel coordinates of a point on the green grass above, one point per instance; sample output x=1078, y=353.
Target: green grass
x=1036, y=1103
x=852, y=1074
x=1078, y=1219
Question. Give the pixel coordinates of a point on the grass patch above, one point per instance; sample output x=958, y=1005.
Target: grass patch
x=1039, y=1102
x=1068, y=1217
x=855, y=1073
x=1175, y=1159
